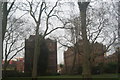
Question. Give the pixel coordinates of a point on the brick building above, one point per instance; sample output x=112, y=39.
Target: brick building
x=20, y=64
x=48, y=55
x=69, y=55
x=112, y=58
x=11, y=65
x=17, y=65
x=68, y=60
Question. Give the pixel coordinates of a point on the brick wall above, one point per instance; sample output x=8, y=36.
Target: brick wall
x=52, y=55
x=20, y=64
x=69, y=56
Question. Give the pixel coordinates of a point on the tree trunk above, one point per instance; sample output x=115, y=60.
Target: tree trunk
x=4, y=20
x=118, y=37
x=1, y=40
x=5, y=68
x=74, y=60
x=36, y=54
x=86, y=73
x=66, y=70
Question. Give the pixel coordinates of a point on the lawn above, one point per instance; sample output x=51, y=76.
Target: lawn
x=79, y=76
x=64, y=77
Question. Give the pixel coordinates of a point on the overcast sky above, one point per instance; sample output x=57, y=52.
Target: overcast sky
x=67, y=11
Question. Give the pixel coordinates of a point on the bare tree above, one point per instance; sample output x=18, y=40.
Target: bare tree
x=6, y=12
x=96, y=27
x=49, y=14
x=10, y=33
x=86, y=64
x=86, y=39
x=12, y=38
x=1, y=38
x=37, y=38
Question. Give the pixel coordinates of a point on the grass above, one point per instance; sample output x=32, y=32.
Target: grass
x=72, y=77
x=79, y=76
x=106, y=76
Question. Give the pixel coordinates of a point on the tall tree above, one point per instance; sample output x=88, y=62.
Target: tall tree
x=119, y=36
x=6, y=11
x=12, y=39
x=37, y=38
x=9, y=37
x=0, y=39
x=10, y=33
x=43, y=9
x=118, y=21
x=97, y=24
x=86, y=45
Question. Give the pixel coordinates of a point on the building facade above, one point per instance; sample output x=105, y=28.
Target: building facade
x=48, y=55
x=20, y=64
x=17, y=65
x=112, y=58
x=71, y=55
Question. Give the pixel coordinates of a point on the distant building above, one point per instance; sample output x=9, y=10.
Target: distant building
x=17, y=65
x=112, y=58
x=69, y=55
x=20, y=64
x=48, y=55
x=11, y=65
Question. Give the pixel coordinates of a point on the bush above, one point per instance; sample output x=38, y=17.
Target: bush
x=13, y=73
x=95, y=70
x=104, y=68
x=80, y=70
x=51, y=74
x=110, y=67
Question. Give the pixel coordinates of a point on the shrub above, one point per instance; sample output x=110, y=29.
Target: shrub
x=13, y=73
x=110, y=67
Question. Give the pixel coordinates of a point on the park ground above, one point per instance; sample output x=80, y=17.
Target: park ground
x=69, y=77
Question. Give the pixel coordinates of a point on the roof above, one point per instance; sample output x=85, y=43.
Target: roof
x=32, y=37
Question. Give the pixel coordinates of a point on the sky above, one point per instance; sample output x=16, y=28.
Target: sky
x=67, y=11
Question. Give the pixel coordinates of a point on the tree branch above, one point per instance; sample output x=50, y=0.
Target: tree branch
x=10, y=7
x=56, y=29
x=48, y=17
x=16, y=53
x=31, y=12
